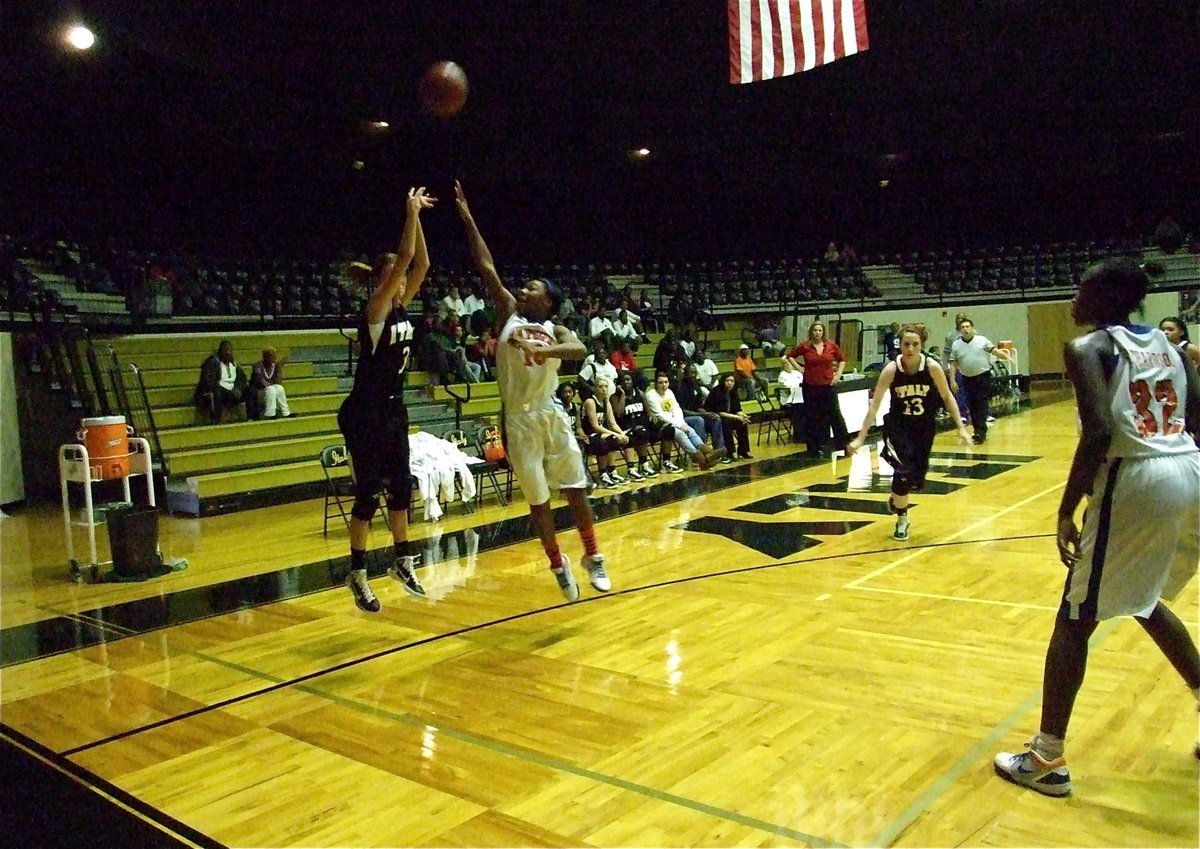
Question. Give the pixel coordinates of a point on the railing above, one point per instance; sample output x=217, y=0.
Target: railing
x=134, y=404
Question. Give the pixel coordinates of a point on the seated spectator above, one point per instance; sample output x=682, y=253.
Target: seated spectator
x=687, y=344
x=831, y=254
x=266, y=380
x=599, y=438
x=464, y=367
x=668, y=354
x=452, y=304
x=596, y=365
x=766, y=334
x=706, y=370
x=625, y=330
x=629, y=418
x=222, y=384
x=483, y=352
x=704, y=422
x=479, y=313
x=723, y=402
x=623, y=359
x=791, y=396
x=749, y=381
x=645, y=312
x=664, y=409
x=600, y=327
x=434, y=350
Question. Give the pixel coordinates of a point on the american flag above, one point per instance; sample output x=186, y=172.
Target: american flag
x=775, y=38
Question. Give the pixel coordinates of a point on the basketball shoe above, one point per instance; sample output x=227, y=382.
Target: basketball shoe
x=357, y=583
x=1029, y=769
x=901, y=532
x=566, y=580
x=648, y=470
x=634, y=474
x=668, y=466
x=594, y=563
x=403, y=570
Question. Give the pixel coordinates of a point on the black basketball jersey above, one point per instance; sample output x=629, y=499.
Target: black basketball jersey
x=915, y=399
x=380, y=372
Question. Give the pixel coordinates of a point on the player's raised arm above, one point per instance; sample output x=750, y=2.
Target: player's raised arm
x=505, y=303
x=420, y=266
x=380, y=302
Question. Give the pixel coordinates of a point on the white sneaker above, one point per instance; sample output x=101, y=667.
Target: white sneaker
x=596, y=574
x=360, y=588
x=606, y=481
x=648, y=470
x=617, y=478
x=566, y=580
x=634, y=474
x=1029, y=769
x=668, y=466
x=901, y=532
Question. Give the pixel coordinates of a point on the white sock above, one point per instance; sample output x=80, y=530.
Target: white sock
x=1047, y=746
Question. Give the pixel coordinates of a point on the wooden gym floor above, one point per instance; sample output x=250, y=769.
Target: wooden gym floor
x=771, y=668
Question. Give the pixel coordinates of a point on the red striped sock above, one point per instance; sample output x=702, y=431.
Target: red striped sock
x=589, y=541
x=556, y=558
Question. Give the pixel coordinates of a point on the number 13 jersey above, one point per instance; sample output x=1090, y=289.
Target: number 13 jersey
x=1148, y=389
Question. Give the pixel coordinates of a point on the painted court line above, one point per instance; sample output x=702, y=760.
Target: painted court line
x=855, y=584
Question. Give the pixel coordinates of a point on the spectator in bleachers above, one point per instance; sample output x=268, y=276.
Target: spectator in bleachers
x=1168, y=235
x=687, y=345
x=749, y=380
x=472, y=303
x=766, y=334
x=664, y=409
x=723, y=401
x=705, y=422
x=682, y=312
x=1176, y=331
x=624, y=330
x=831, y=254
x=706, y=370
x=434, y=350
x=222, y=384
x=483, y=352
x=266, y=379
x=668, y=354
x=453, y=304
x=645, y=312
x=600, y=326
x=623, y=359
x=596, y=365
x=465, y=368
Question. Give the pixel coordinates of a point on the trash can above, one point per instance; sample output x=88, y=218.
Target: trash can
x=133, y=538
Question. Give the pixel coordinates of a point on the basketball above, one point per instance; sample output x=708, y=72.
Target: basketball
x=443, y=89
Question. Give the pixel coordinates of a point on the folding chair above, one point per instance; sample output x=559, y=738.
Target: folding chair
x=489, y=438
x=483, y=472
x=339, y=491
x=771, y=418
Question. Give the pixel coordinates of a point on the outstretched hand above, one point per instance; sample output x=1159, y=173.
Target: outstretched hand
x=964, y=438
x=418, y=199
x=460, y=201
x=853, y=445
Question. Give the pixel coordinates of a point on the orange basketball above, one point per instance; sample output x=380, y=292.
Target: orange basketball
x=443, y=89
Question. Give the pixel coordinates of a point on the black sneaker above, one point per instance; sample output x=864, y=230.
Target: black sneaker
x=403, y=570
x=361, y=590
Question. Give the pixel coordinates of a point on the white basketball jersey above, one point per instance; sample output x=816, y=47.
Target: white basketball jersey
x=1149, y=393
x=525, y=383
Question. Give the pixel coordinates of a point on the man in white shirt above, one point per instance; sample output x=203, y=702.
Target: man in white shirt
x=663, y=408
x=706, y=370
x=601, y=327
x=472, y=303
x=971, y=354
x=453, y=304
x=624, y=328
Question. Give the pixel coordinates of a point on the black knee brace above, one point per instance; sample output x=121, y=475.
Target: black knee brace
x=397, y=502
x=364, y=507
x=901, y=485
